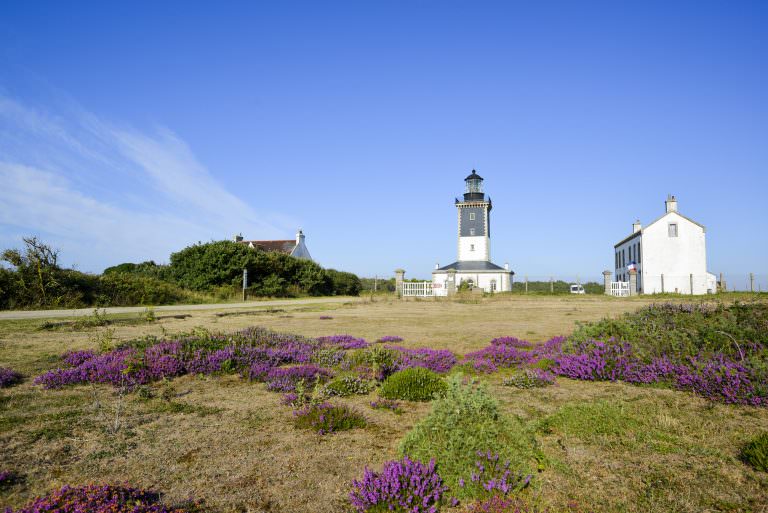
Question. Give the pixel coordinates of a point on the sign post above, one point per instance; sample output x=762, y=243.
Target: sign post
x=245, y=282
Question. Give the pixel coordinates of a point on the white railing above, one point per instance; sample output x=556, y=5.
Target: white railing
x=417, y=289
x=620, y=288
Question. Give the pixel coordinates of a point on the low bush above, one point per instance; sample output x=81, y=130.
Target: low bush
x=415, y=384
x=403, y=486
x=348, y=385
x=755, y=452
x=9, y=377
x=101, y=499
x=465, y=421
x=328, y=418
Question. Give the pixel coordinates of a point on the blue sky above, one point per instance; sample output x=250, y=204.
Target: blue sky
x=129, y=130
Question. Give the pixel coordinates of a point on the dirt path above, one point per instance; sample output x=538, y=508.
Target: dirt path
x=79, y=312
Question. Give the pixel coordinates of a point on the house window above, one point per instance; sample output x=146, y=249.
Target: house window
x=471, y=231
x=672, y=229
x=471, y=216
x=639, y=254
x=471, y=247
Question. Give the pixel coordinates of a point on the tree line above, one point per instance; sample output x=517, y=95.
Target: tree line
x=33, y=278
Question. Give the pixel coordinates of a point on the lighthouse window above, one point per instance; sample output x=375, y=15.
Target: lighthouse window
x=471, y=247
x=471, y=216
x=471, y=231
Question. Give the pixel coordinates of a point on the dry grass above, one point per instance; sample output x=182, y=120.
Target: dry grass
x=610, y=446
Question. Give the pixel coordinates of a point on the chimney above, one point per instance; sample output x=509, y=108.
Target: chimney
x=300, y=237
x=506, y=266
x=671, y=204
x=238, y=237
x=636, y=226
x=437, y=265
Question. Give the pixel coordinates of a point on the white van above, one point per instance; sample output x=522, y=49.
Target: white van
x=577, y=289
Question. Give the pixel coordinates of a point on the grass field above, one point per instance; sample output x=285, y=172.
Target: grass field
x=608, y=446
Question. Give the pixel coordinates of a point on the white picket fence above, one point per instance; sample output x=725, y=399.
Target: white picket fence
x=620, y=288
x=417, y=289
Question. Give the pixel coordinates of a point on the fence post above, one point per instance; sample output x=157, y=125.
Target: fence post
x=723, y=288
x=751, y=282
x=607, y=282
x=632, y=282
x=526, y=284
x=662, y=283
x=399, y=275
x=451, y=285
x=691, y=278
x=245, y=282
x=551, y=285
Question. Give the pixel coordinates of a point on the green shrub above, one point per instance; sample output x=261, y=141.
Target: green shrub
x=381, y=360
x=348, y=385
x=122, y=289
x=755, y=453
x=685, y=329
x=465, y=421
x=415, y=384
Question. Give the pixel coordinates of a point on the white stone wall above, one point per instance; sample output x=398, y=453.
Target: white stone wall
x=481, y=279
x=474, y=248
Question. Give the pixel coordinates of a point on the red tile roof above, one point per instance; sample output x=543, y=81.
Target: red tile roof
x=282, y=246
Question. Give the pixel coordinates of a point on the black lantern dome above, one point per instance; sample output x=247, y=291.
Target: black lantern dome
x=474, y=189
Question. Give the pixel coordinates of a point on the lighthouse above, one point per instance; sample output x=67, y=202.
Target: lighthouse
x=473, y=266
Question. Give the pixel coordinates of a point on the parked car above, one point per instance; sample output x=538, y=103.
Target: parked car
x=577, y=289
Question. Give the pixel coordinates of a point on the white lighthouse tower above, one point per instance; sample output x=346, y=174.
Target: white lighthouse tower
x=474, y=264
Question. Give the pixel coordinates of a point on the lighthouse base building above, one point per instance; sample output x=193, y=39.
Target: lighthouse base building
x=474, y=266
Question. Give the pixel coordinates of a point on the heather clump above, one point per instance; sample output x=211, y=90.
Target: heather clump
x=414, y=384
x=343, y=342
x=9, y=377
x=325, y=418
x=530, y=378
x=284, y=379
x=436, y=360
x=101, y=499
x=77, y=358
x=390, y=339
x=755, y=452
x=253, y=353
x=404, y=485
x=468, y=420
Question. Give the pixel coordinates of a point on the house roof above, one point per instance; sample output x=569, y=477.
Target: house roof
x=472, y=265
x=629, y=237
x=282, y=246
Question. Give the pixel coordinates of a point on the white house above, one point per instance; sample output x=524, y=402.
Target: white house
x=474, y=265
x=669, y=254
x=296, y=248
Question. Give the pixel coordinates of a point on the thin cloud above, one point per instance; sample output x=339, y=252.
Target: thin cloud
x=106, y=194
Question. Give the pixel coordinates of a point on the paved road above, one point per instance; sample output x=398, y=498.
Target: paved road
x=46, y=314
